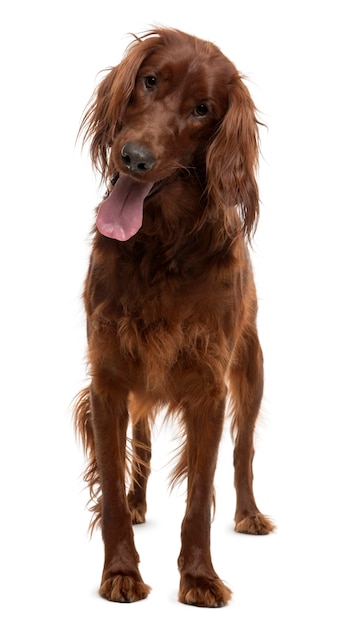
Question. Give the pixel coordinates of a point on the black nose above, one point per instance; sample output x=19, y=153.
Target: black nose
x=136, y=157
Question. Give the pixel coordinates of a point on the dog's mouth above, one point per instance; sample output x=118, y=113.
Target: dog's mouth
x=120, y=215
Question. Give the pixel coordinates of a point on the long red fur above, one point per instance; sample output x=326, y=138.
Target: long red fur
x=171, y=313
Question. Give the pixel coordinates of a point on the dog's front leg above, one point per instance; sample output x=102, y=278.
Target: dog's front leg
x=121, y=580
x=199, y=583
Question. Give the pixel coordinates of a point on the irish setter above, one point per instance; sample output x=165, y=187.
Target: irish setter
x=170, y=297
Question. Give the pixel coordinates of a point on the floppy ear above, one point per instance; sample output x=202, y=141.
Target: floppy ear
x=232, y=159
x=98, y=121
x=104, y=114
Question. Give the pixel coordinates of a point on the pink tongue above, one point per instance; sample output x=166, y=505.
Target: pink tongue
x=120, y=215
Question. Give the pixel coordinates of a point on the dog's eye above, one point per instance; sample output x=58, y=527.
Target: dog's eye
x=150, y=82
x=201, y=110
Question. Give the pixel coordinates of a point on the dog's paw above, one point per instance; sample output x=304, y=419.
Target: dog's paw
x=120, y=588
x=255, y=525
x=137, y=509
x=199, y=591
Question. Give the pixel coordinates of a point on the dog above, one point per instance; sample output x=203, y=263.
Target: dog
x=170, y=298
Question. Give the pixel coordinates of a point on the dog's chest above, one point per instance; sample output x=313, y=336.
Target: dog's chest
x=163, y=316
x=164, y=319
x=156, y=325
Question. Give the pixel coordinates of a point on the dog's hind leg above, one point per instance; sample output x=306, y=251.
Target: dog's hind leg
x=246, y=381
x=141, y=452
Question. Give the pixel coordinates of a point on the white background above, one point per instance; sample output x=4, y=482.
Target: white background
x=292, y=53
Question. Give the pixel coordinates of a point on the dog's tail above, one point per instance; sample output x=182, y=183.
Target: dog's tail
x=84, y=430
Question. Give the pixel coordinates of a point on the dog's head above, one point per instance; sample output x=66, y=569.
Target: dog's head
x=176, y=103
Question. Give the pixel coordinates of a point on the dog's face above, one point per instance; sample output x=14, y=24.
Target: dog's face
x=176, y=103
x=174, y=110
